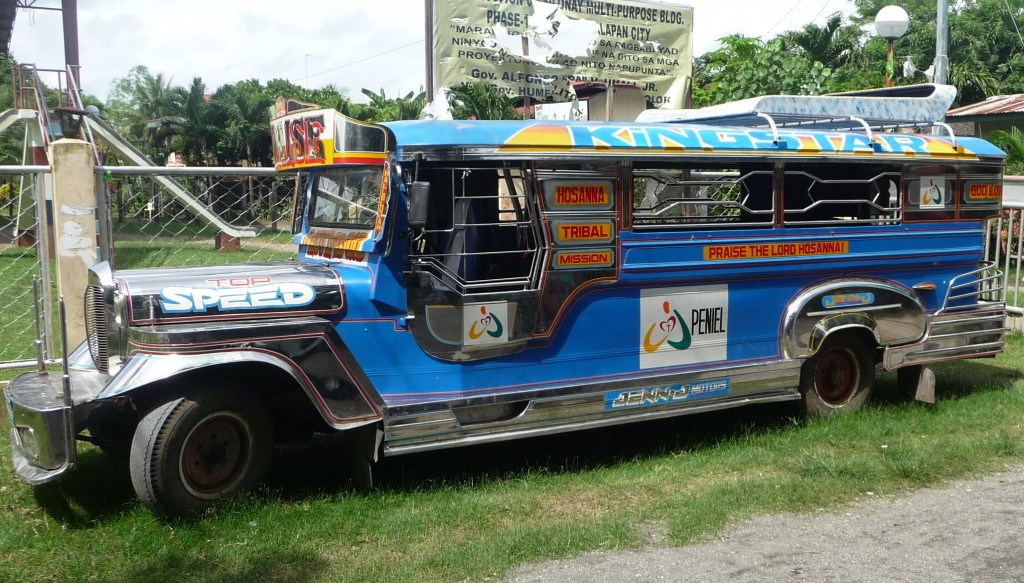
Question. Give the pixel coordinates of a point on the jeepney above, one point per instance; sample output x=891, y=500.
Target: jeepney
x=463, y=282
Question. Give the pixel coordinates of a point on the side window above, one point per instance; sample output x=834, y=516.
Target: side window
x=678, y=196
x=482, y=233
x=841, y=194
x=931, y=193
x=981, y=192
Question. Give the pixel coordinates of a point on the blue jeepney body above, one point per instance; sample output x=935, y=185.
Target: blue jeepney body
x=467, y=281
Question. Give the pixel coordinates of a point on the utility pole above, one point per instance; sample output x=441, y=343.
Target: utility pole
x=942, y=43
x=69, y=15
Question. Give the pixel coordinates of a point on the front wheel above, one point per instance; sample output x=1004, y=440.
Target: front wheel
x=839, y=377
x=195, y=451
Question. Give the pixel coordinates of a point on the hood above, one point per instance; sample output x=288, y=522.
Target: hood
x=228, y=292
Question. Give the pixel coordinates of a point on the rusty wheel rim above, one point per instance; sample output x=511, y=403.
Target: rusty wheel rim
x=215, y=455
x=836, y=376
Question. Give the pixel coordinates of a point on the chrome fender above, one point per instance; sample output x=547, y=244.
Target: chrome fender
x=891, y=312
x=340, y=409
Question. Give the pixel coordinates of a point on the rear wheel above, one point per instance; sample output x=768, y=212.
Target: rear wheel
x=839, y=377
x=192, y=452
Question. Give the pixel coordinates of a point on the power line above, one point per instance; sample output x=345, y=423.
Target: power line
x=1014, y=21
x=821, y=11
x=784, y=16
x=365, y=59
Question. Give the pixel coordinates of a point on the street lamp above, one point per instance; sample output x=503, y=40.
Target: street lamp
x=891, y=23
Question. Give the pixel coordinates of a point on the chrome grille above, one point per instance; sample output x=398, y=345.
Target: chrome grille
x=96, y=327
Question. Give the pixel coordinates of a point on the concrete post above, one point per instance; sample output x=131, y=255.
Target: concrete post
x=74, y=207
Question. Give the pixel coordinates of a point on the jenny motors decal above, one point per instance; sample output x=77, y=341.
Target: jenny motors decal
x=484, y=324
x=681, y=326
x=667, y=394
x=251, y=293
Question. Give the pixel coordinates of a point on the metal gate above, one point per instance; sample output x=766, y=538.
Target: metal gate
x=26, y=286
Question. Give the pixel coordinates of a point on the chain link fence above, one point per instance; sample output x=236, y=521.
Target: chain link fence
x=170, y=217
x=24, y=260
x=152, y=217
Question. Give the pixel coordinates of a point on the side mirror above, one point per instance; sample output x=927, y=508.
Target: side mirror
x=419, y=204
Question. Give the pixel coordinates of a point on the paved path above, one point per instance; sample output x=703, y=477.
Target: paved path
x=968, y=531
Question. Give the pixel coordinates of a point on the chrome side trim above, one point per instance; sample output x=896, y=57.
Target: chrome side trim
x=959, y=334
x=585, y=407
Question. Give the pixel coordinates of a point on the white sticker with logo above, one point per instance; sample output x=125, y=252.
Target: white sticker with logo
x=178, y=300
x=933, y=192
x=686, y=325
x=484, y=324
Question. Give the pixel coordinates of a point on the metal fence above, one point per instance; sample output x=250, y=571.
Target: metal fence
x=151, y=217
x=167, y=217
x=24, y=261
x=1004, y=246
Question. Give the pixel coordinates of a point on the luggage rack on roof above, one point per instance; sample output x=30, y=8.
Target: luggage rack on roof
x=915, y=106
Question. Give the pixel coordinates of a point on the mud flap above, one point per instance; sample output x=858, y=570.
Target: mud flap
x=362, y=449
x=917, y=381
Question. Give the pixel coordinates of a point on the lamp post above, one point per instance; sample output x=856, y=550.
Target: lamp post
x=70, y=119
x=891, y=23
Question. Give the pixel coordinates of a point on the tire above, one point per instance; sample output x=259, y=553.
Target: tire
x=190, y=453
x=840, y=377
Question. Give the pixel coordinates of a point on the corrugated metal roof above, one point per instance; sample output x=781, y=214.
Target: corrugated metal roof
x=997, y=105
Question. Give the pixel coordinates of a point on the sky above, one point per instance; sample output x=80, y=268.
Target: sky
x=352, y=44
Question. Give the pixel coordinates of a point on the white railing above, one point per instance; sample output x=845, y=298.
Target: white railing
x=1004, y=244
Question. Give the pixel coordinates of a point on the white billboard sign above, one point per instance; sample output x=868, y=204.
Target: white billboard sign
x=538, y=49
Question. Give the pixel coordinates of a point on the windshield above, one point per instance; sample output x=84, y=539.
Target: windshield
x=347, y=197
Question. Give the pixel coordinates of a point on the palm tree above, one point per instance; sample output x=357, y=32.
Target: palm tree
x=198, y=136
x=147, y=108
x=1012, y=142
x=243, y=109
x=833, y=44
x=478, y=101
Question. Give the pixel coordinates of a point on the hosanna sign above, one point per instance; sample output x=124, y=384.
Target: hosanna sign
x=538, y=49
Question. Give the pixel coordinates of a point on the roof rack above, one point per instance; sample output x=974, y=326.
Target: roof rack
x=892, y=108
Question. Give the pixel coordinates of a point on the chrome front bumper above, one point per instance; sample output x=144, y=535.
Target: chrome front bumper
x=42, y=432
x=43, y=426
x=969, y=333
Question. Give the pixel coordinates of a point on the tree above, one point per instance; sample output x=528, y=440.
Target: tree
x=745, y=67
x=242, y=113
x=147, y=109
x=983, y=51
x=197, y=139
x=478, y=101
x=382, y=109
x=833, y=45
x=1012, y=142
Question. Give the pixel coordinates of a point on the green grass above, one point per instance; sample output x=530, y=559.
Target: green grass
x=190, y=231
x=144, y=254
x=474, y=513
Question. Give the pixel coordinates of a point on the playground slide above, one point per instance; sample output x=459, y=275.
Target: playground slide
x=10, y=116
